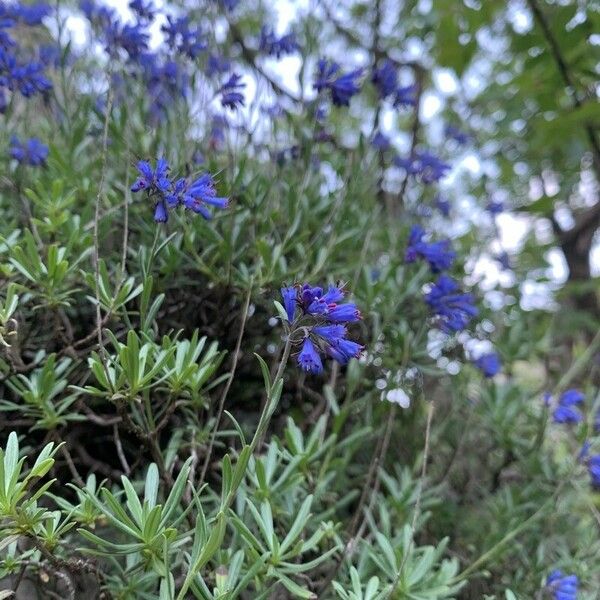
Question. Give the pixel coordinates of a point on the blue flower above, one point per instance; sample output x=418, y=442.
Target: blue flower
x=495, y=207
x=157, y=183
x=597, y=421
x=182, y=37
x=342, y=86
x=133, y=38
x=385, y=79
x=202, y=192
x=439, y=255
x=29, y=14
x=320, y=316
x=230, y=90
x=271, y=45
x=381, y=141
x=32, y=153
x=27, y=78
x=309, y=359
x=343, y=350
x=566, y=411
x=168, y=194
x=289, y=302
x=144, y=9
x=152, y=180
x=406, y=96
x=489, y=364
x=562, y=587
x=593, y=465
x=425, y=165
x=453, y=309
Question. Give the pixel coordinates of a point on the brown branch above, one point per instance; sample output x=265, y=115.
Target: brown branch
x=236, y=355
x=568, y=79
x=368, y=489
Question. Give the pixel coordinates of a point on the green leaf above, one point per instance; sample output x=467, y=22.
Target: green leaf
x=151, y=488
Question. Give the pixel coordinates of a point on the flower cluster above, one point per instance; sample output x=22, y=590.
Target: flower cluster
x=439, y=255
x=231, y=96
x=17, y=75
x=184, y=38
x=342, y=86
x=562, y=587
x=321, y=318
x=454, y=309
x=28, y=14
x=385, y=79
x=32, y=152
x=273, y=46
x=566, y=410
x=168, y=193
x=425, y=165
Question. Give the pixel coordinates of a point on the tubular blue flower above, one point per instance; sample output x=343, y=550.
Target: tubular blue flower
x=562, y=587
x=289, y=295
x=439, y=255
x=182, y=37
x=342, y=86
x=203, y=192
x=597, y=421
x=593, y=465
x=161, y=214
x=309, y=359
x=231, y=96
x=321, y=317
x=32, y=153
x=489, y=364
x=453, y=309
x=332, y=334
x=273, y=46
x=343, y=350
x=152, y=180
x=344, y=313
x=566, y=411
x=405, y=96
x=385, y=79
